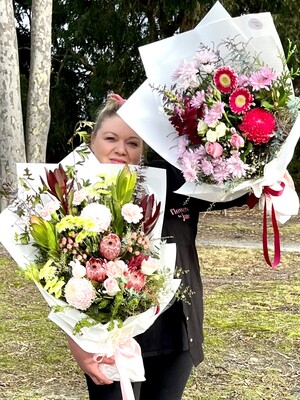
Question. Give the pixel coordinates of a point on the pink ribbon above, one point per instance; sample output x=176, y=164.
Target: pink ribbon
x=128, y=357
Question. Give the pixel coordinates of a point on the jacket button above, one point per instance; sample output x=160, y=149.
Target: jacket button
x=191, y=339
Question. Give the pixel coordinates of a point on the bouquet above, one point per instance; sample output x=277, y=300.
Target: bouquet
x=219, y=105
x=231, y=115
x=88, y=247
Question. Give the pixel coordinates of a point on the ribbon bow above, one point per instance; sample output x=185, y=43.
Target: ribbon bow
x=252, y=201
x=128, y=366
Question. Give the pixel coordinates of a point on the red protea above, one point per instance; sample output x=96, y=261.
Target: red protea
x=151, y=211
x=136, y=280
x=258, y=125
x=110, y=246
x=59, y=186
x=96, y=269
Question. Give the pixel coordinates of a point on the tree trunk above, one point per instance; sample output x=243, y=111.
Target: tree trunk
x=12, y=146
x=38, y=109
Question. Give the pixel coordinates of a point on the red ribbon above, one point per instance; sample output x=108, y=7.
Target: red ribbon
x=252, y=201
x=271, y=192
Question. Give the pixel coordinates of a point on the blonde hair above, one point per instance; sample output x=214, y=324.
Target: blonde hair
x=112, y=105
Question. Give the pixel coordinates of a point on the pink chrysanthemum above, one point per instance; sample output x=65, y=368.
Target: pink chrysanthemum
x=225, y=79
x=80, y=293
x=258, y=125
x=262, y=79
x=240, y=100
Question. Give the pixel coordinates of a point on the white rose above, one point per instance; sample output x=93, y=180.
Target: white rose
x=149, y=266
x=78, y=270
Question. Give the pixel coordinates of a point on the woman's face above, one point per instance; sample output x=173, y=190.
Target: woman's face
x=116, y=143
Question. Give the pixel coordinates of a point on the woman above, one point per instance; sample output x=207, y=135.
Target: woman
x=173, y=344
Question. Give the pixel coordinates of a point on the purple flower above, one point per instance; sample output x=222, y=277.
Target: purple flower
x=186, y=74
x=205, y=56
x=198, y=99
x=221, y=173
x=207, y=167
x=262, y=79
x=214, y=113
x=236, y=167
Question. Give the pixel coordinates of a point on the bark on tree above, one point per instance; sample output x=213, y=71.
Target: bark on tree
x=12, y=146
x=38, y=109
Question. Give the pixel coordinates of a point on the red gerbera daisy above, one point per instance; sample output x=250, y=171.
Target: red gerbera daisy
x=258, y=125
x=240, y=100
x=225, y=79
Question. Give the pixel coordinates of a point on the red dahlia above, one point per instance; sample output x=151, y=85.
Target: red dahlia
x=258, y=125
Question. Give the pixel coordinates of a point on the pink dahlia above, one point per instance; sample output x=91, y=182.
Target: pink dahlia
x=96, y=269
x=110, y=246
x=225, y=79
x=258, y=125
x=240, y=100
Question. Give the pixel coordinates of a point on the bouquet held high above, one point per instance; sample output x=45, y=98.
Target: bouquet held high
x=219, y=105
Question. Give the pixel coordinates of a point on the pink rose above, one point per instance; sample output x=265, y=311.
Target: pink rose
x=111, y=286
x=136, y=281
x=214, y=149
x=110, y=246
x=149, y=266
x=237, y=141
x=116, y=269
x=96, y=269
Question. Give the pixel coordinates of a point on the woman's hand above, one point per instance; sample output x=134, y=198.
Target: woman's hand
x=89, y=364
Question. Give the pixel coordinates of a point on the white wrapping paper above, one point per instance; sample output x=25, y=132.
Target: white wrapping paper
x=161, y=58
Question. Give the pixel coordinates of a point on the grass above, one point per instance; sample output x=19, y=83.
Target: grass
x=252, y=334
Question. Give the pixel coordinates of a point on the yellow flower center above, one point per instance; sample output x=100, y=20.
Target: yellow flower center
x=240, y=100
x=225, y=80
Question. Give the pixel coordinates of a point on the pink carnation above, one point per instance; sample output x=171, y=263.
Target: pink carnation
x=132, y=213
x=116, y=269
x=80, y=293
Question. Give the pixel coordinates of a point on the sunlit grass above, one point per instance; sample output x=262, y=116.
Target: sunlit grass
x=252, y=334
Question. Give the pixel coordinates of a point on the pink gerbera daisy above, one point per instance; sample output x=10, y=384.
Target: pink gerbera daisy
x=240, y=100
x=225, y=79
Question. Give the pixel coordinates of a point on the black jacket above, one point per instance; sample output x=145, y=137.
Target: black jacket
x=180, y=327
